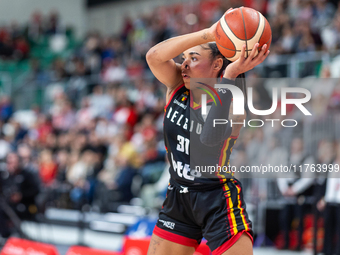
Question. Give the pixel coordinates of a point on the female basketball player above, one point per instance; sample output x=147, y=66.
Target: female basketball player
x=200, y=207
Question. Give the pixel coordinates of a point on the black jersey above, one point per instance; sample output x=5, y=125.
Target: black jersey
x=193, y=163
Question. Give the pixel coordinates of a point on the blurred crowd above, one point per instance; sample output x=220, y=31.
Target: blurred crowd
x=298, y=26
x=99, y=140
x=108, y=139
x=16, y=40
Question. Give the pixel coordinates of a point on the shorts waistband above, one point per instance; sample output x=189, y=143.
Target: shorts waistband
x=198, y=187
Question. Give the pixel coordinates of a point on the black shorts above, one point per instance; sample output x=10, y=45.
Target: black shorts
x=218, y=214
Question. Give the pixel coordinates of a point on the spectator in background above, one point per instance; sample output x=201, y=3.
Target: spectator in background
x=125, y=114
x=15, y=29
x=58, y=70
x=64, y=140
x=36, y=73
x=105, y=129
x=43, y=128
x=108, y=52
x=25, y=154
x=119, y=48
x=62, y=161
x=100, y=103
x=48, y=169
x=141, y=38
x=91, y=52
x=330, y=34
x=330, y=205
x=85, y=114
x=5, y=148
x=304, y=41
x=127, y=161
x=161, y=30
x=78, y=175
x=296, y=191
x=305, y=11
x=78, y=142
x=113, y=71
x=323, y=14
x=65, y=118
x=257, y=149
x=77, y=84
x=153, y=161
x=20, y=188
x=7, y=48
x=35, y=27
x=326, y=155
x=146, y=97
x=135, y=69
x=53, y=25
x=334, y=101
x=286, y=42
x=6, y=108
x=21, y=48
x=127, y=28
x=20, y=132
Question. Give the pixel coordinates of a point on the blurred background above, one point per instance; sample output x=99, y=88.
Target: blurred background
x=82, y=156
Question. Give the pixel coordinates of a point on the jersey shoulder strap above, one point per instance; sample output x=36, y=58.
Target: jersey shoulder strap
x=176, y=91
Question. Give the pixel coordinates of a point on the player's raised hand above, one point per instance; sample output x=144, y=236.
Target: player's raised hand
x=244, y=64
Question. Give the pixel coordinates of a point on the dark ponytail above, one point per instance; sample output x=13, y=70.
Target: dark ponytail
x=215, y=53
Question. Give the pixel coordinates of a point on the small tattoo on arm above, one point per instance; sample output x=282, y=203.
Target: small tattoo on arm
x=153, y=246
x=237, y=118
x=204, y=36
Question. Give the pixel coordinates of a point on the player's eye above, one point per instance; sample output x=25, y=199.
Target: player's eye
x=193, y=58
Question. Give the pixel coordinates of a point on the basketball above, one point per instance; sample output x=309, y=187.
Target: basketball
x=242, y=26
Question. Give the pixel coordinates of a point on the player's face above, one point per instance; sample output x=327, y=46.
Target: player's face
x=196, y=64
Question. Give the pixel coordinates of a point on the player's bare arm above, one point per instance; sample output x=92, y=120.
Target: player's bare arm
x=160, y=57
x=236, y=128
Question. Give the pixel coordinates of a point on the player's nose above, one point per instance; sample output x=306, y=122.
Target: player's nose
x=185, y=65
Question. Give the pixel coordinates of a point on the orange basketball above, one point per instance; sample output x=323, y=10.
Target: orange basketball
x=242, y=26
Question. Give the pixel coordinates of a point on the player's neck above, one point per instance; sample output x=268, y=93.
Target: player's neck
x=197, y=95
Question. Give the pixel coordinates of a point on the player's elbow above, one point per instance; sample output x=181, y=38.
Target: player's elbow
x=149, y=55
x=152, y=56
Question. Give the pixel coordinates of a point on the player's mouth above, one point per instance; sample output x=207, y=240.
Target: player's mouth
x=185, y=76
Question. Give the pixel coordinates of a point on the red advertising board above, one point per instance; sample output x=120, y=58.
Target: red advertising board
x=79, y=250
x=17, y=246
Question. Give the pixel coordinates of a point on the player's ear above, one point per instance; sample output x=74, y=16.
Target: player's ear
x=218, y=63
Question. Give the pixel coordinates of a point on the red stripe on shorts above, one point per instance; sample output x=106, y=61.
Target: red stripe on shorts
x=167, y=235
x=224, y=247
